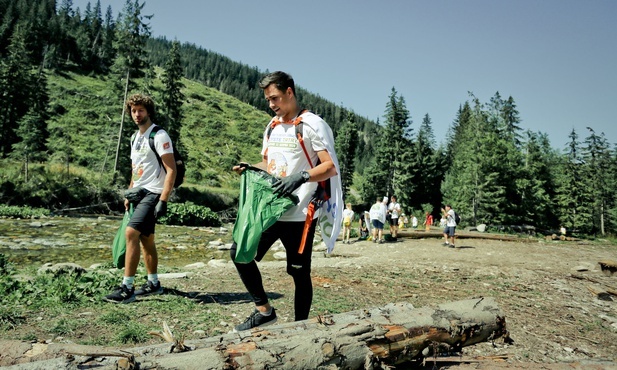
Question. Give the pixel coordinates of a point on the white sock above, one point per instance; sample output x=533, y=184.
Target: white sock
x=267, y=313
x=154, y=278
x=128, y=281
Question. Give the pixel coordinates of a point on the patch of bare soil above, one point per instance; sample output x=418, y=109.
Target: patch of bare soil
x=547, y=291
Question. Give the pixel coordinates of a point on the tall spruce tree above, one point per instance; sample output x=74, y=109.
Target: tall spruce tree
x=173, y=97
x=503, y=118
x=16, y=85
x=572, y=189
x=429, y=179
x=131, y=62
x=32, y=128
x=379, y=176
x=472, y=184
x=597, y=157
x=346, y=144
x=396, y=138
x=536, y=184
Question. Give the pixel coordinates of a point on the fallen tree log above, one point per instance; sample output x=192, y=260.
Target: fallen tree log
x=421, y=234
x=365, y=339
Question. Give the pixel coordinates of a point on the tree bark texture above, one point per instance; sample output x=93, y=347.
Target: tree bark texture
x=365, y=339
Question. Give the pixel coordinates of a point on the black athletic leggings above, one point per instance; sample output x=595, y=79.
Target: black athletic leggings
x=298, y=265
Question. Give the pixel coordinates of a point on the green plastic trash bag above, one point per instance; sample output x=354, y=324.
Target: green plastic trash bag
x=258, y=209
x=118, y=249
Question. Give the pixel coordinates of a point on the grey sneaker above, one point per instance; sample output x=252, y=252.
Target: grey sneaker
x=121, y=295
x=256, y=319
x=149, y=289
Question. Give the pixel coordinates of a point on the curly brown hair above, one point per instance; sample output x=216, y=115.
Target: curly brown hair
x=143, y=100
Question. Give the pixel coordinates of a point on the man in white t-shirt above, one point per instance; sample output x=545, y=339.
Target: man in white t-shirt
x=394, y=210
x=377, y=214
x=150, y=187
x=450, y=229
x=284, y=157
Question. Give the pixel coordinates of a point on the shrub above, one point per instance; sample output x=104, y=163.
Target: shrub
x=189, y=214
x=22, y=211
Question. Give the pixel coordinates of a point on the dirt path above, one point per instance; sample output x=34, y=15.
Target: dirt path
x=542, y=287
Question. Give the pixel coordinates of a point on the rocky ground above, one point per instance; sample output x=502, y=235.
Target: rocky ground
x=546, y=289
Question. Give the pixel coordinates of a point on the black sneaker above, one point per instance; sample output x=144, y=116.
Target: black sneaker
x=452, y=246
x=445, y=244
x=121, y=295
x=149, y=289
x=255, y=320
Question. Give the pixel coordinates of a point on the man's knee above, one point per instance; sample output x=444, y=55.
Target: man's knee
x=298, y=270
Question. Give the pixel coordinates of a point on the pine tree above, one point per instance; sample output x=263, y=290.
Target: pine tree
x=503, y=118
x=172, y=95
x=572, y=198
x=430, y=174
x=130, y=64
x=16, y=85
x=598, y=165
x=391, y=143
x=107, y=51
x=397, y=129
x=472, y=184
x=346, y=144
x=536, y=183
x=131, y=35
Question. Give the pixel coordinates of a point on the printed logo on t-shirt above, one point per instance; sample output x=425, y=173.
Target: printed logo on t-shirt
x=277, y=165
x=166, y=145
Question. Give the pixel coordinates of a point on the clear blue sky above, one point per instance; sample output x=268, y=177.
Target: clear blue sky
x=556, y=58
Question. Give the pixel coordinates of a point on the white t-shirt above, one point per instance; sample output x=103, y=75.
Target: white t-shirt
x=286, y=157
x=450, y=218
x=377, y=212
x=394, y=209
x=147, y=172
x=348, y=213
x=414, y=221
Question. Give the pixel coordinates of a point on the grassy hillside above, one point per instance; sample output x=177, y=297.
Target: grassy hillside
x=218, y=130
x=85, y=112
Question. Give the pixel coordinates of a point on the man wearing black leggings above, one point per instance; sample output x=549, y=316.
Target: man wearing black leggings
x=298, y=167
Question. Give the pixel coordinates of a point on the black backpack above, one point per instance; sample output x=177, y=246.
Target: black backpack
x=180, y=166
x=457, y=218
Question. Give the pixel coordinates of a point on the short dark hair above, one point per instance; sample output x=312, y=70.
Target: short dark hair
x=141, y=99
x=280, y=79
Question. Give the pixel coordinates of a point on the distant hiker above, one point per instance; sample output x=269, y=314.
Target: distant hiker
x=298, y=147
x=348, y=215
x=428, y=221
x=449, y=214
x=148, y=192
x=394, y=210
x=362, y=228
x=378, y=218
x=414, y=221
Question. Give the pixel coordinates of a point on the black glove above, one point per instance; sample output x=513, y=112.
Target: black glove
x=286, y=185
x=161, y=209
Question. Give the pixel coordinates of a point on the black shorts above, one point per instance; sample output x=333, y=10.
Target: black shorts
x=393, y=221
x=143, y=219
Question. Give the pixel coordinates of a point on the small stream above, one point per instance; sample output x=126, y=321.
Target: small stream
x=87, y=240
